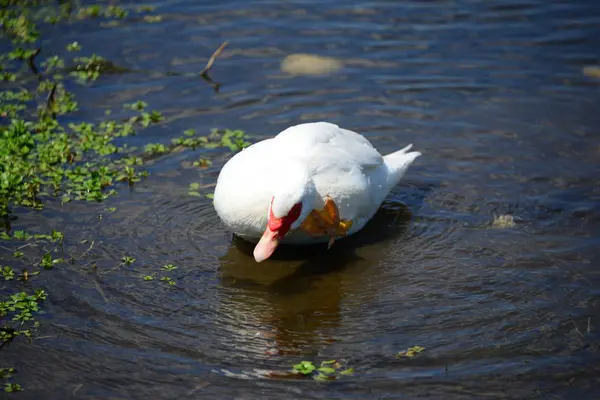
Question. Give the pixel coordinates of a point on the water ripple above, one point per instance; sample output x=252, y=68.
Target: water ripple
x=494, y=96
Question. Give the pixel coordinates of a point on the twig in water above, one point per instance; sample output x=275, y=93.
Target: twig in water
x=101, y=291
x=216, y=85
x=77, y=388
x=45, y=337
x=50, y=100
x=89, y=263
x=200, y=386
x=25, y=245
x=31, y=62
x=88, y=250
x=577, y=329
x=589, y=330
x=212, y=59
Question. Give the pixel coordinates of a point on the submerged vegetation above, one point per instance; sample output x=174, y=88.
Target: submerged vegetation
x=47, y=155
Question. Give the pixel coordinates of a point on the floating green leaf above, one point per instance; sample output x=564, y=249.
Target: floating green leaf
x=74, y=46
x=128, y=260
x=411, y=351
x=46, y=261
x=169, y=280
x=8, y=273
x=304, y=367
x=327, y=370
x=12, y=387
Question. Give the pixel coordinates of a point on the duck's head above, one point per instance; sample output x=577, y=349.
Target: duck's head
x=290, y=205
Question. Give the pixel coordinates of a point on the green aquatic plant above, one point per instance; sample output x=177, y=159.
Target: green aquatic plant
x=235, y=140
x=410, y=352
x=17, y=314
x=12, y=387
x=155, y=148
x=304, y=367
x=202, y=163
x=6, y=375
x=49, y=155
x=55, y=236
x=8, y=273
x=127, y=260
x=193, y=189
x=41, y=156
x=48, y=262
x=328, y=370
x=74, y=46
x=168, y=280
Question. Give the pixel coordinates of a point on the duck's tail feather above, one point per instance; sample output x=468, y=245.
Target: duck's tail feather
x=398, y=162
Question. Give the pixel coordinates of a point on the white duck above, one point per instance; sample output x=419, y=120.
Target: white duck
x=311, y=183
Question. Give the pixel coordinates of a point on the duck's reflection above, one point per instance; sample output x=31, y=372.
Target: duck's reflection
x=291, y=304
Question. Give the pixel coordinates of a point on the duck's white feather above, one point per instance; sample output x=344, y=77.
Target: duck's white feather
x=315, y=160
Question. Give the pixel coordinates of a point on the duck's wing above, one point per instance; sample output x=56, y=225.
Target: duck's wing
x=326, y=144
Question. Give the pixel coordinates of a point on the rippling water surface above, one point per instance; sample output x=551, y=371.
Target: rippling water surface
x=492, y=93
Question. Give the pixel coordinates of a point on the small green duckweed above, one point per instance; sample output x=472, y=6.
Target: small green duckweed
x=48, y=262
x=127, y=260
x=193, y=189
x=202, y=163
x=410, y=352
x=168, y=280
x=327, y=371
x=164, y=278
x=6, y=375
x=8, y=273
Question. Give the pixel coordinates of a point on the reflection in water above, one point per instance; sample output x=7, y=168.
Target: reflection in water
x=292, y=303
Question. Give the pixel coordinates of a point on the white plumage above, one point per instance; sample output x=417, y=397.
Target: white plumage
x=303, y=164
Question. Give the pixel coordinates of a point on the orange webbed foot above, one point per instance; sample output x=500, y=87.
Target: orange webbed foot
x=326, y=222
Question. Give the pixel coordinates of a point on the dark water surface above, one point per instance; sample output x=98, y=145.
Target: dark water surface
x=492, y=93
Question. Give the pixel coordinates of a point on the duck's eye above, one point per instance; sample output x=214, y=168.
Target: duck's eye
x=295, y=212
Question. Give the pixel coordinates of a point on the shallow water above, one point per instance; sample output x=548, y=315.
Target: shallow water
x=494, y=96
